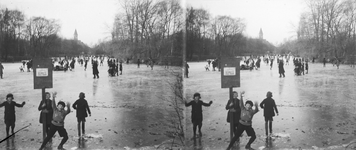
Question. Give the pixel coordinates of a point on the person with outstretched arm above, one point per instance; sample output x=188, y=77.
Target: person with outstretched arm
x=245, y=123
x=57, y=124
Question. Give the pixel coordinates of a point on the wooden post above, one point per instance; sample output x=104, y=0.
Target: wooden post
x=44, y=115
x=231, y=117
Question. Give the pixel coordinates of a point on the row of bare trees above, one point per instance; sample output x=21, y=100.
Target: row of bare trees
x=151, y=29
x=22, y=38
x=328, y=30
x=213, y=37
x=148, y=29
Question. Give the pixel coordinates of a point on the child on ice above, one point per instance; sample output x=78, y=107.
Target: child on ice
x=57, y=123
x=10, y=116
x=197, y=112
x=81, y=105
x=245, y=123
x=269, y=107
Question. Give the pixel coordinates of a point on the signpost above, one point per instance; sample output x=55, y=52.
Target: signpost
x=43, y=78
x=230, y=78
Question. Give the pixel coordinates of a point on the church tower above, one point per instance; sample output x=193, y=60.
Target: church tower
x=75, y=35
x=261, y=34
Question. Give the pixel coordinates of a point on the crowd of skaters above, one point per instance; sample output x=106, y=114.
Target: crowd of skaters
x=254, y=63
x=68, y=63
x=56, y=112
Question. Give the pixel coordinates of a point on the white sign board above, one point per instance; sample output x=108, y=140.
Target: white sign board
x=229, y=71
x=41, y=72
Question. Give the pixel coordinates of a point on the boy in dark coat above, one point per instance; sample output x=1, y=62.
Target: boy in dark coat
x=197, y=112
x=233, y=105
x=245, y=123
x=269, y=107
x=10, y=116
x=81, y=105
x=46, y=107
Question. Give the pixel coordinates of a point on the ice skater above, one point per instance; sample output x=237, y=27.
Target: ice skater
x=245, y=123
x=197, y=112
x=1, y=70
x=95, y=69
x=306, y=67
x=324, y=61
x=21, y=69
x=57, y=123
x=186, y=70
x=117, y=68
x=120, y=68
x=269, y=106
x=10, y=116
x=85, y=64
x=281, y=69
x=82, y=107
x=207, y=68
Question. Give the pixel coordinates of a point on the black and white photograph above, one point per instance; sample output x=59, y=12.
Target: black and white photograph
x=177, y=74
x=91, y=74
x=270, y=74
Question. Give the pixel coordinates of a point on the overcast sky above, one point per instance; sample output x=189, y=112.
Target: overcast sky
x=93, y=19
x=277, y=18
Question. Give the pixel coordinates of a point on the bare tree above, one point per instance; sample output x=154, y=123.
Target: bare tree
x=42, y=33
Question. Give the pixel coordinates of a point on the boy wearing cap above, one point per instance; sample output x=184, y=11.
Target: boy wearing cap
x=269, y=107
x=57, y=123
x=10, y=117
x=197, y=112
x=245, y=123
x=81, y=105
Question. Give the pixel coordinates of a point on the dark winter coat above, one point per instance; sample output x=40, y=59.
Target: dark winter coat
x=280, y=67
x=197, y=112
x=1, y=68
x=49, y=108
x=95, y=68
x=236, y=106
x=81, y=105
x=269, y=107
x=10, y=110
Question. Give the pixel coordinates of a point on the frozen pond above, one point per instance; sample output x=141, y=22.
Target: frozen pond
x=316, y=110
x=128, y=111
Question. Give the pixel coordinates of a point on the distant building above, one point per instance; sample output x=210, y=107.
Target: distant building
x=261, y=34
x=75, y=35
